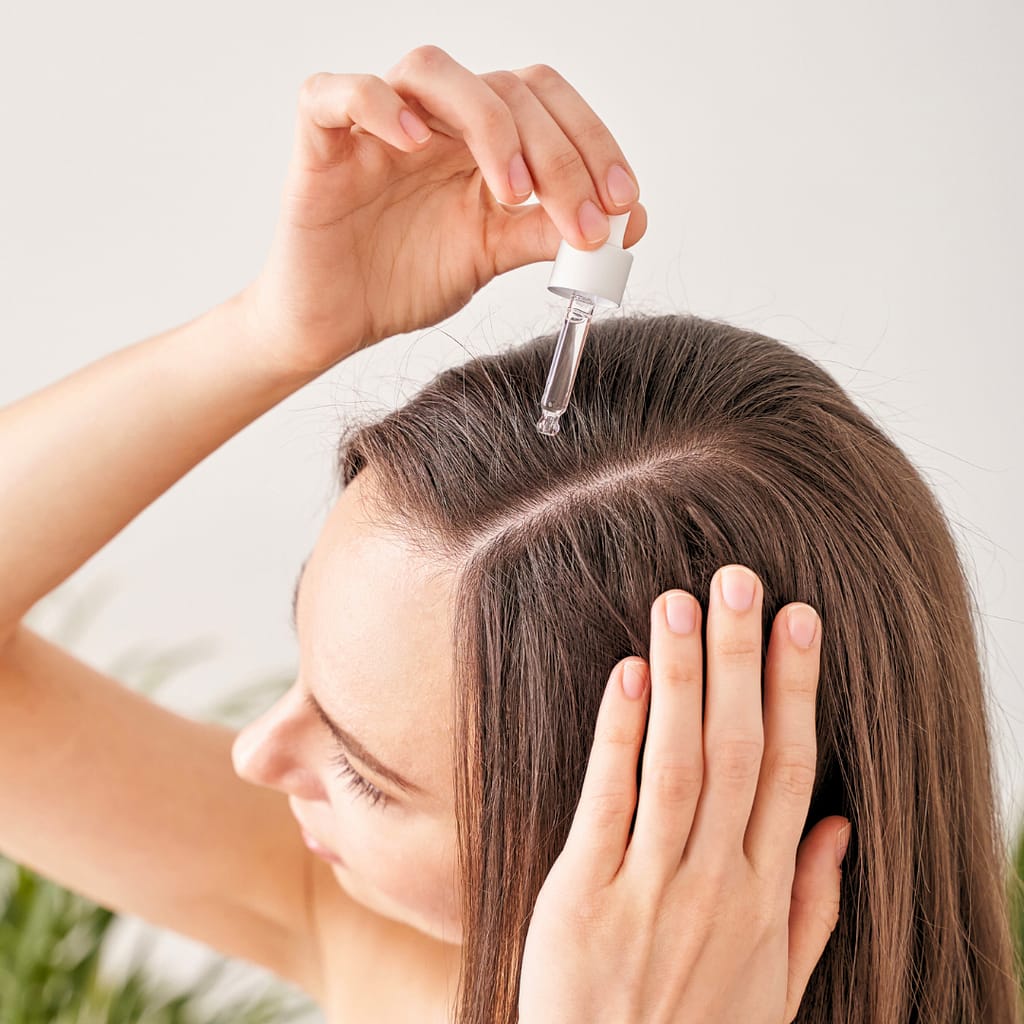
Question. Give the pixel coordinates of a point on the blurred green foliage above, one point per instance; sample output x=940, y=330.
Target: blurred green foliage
x=1015, y=894
x=52, y=940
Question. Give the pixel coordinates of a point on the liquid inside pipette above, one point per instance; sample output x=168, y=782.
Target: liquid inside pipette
x=565, y=362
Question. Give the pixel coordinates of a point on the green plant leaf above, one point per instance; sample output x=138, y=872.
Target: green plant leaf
x=52, y=940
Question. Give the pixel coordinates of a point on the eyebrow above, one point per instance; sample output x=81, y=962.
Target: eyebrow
x=295, y=595
x=342, y=735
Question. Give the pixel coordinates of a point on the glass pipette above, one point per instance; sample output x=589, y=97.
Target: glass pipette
x=589, y=280
x=562, y=374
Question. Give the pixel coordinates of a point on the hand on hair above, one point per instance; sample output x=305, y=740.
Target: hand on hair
x=380, y=235
x=712, y=909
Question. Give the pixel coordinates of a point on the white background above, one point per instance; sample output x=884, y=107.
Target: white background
x=843, y=177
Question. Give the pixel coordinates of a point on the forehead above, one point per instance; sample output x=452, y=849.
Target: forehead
x=375, y=629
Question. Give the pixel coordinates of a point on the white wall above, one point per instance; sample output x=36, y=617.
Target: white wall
x=845, y=178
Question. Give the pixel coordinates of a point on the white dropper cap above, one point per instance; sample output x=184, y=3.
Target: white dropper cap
x=599, y=274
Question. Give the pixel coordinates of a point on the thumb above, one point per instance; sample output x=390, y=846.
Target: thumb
x=529, y=235
x=814, y=905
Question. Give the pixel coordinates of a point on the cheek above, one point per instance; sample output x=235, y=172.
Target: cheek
x=404, y=864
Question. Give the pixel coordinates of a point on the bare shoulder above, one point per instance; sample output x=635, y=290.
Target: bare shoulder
x=374, y=969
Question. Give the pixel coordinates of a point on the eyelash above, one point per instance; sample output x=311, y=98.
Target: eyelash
x=359, y=785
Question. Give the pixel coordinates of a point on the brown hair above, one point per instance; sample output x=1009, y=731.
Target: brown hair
x=689, y=444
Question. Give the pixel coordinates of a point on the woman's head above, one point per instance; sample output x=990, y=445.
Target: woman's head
x=690, y=444
x=362, y=741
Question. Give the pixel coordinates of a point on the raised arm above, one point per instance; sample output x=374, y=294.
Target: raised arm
x=81, y=458
x=378, y=235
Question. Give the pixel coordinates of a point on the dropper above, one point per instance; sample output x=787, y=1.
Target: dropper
x=588, y=280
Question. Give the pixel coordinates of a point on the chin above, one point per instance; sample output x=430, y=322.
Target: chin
x=449, y=934
x=451, y=937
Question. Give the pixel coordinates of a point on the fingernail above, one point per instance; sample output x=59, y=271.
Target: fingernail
x=519, y=176
x=737, y=586
x=633, y=677
x=803, y=624
x=621, y=186
x=842, y=841
x=593, y=222
x=680, y=613
x=413, y=126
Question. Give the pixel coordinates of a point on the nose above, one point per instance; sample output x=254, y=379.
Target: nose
x=274, y=750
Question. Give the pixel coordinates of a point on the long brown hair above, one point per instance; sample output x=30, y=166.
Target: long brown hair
x=689, y=444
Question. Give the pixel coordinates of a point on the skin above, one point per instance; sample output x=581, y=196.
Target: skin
x=357, y=257
x=342, y=274
x=373, y=643
x=374, y=628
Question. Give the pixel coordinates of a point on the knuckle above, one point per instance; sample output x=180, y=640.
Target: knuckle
x=562, y=164
x=426, y=56
x=609, y=806
x=825, y=910
x=503, y=82
x=616, y=733
x=761, y=914
x=792, y=770
x=828, y=911
x=493, y=117
x=741, y=648
x=799, y=693
x=676, y=783
x=770, y=907
x=363, y=88
x=311, y=85
x=539, y=75
x=821, y=908
x=676, y=673
x=647, y=901
x=588, y=131
x=716, y=877
x=590, y=914
x=735, y=757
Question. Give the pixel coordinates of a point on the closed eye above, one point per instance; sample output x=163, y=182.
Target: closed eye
x=357, y=782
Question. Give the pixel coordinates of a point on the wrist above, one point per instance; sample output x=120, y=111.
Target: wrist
x=294, y=351
x=264, y=348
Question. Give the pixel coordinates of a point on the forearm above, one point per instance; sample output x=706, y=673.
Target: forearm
x=81, y=458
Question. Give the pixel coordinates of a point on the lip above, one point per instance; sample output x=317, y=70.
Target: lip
x=312, y=842
x=319, y=849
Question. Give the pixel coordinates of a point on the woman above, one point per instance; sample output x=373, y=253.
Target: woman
x=460, y=612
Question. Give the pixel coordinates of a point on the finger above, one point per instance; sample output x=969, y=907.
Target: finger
x=441, y=86
x=588, y=133
x=571, y=154
x=814, y=906
x=529, y=235
x=784, y=788
x=599, y=832
x=673, y=759
x=733, y=730
x=332, y=104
